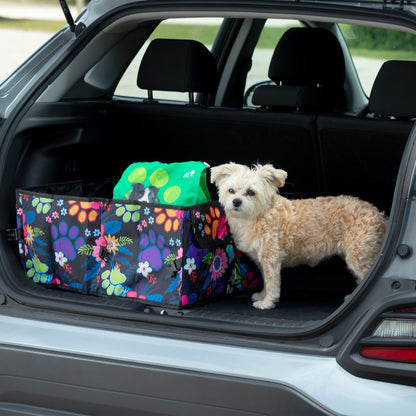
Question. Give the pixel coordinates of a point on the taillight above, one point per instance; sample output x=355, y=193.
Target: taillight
x=383, y=347
x=394, y=338
x=398, y=354
x=396, y=328
x=408, y=309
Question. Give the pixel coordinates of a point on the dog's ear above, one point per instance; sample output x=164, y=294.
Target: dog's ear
x=218, y=173
x=276, y=177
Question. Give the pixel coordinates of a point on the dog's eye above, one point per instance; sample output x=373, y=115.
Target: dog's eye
x=231, y=191
x=250, y=192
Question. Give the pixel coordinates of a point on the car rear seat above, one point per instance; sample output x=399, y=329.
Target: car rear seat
x=218, y=135
x=308, y=69
x=361, y=156
x=168, y=132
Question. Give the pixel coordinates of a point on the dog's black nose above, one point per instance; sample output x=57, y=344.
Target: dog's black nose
x=237, y=203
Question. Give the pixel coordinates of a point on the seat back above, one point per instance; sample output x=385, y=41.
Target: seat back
x=361, y=155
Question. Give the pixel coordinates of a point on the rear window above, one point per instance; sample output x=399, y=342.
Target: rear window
x=272, y=32
x=370, y=47
x=203, y=30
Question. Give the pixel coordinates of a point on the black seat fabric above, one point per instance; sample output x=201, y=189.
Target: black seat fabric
x=219, y=135
x=308, y=69
x=178, y=65
x=394, y=90
x=215, y=135
x=361, y=156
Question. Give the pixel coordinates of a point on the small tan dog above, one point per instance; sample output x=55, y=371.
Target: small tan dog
x=276, y=232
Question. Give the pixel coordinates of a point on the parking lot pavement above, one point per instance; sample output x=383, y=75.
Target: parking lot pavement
x=16, y=46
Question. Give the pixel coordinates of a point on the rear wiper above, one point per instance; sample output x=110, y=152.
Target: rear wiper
x=68, y=16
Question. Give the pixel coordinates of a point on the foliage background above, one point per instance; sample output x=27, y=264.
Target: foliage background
x=380, y=39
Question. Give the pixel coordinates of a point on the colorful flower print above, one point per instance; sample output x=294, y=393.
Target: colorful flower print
x=190, y=265
x=105, y=245
x=84, y=210
x=111, y=243
x=112, y=281
x=63, y=262
x=29, y=235
x=129, y=250
x=219, y=264
x=97, y=250
x=60, y=258
x=144, y=269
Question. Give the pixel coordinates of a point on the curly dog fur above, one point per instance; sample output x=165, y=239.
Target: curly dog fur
x=276, y=232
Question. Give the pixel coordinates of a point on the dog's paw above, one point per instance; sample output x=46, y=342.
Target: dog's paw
x=257, y=296
x=264, y=304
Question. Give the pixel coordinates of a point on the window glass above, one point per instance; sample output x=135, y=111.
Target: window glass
x=370, y=47
x=203, y=30
x=270, y=36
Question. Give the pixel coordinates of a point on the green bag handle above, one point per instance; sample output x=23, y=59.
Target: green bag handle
x=182, y=183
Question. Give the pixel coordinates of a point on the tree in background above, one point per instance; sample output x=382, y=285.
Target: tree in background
x=374, y=38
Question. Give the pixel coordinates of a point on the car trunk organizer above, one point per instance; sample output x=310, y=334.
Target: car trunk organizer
x=157, y=254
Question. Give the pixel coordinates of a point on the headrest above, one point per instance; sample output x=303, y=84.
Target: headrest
x=308, y=56
x=394, y=90
x=308, y=68
x=178, y=65
x=301, y=98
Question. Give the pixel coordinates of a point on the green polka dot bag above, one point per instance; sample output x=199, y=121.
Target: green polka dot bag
x=182, y=184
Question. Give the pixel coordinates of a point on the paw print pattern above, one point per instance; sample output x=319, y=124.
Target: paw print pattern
x=84, y=210
x=215, y=223
x=209, y=225
x=128, y=212
x=66, y=239
x=154, y=250
x=112, y=282
x=42, y=205
x=169, y=217
x=37, y=271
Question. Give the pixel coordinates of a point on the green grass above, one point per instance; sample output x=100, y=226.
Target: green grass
x=29, y=25
x=384, y=55
x=205, y=34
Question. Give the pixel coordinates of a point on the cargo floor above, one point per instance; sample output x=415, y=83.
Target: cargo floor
x=308, y=296
x=287, y=314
